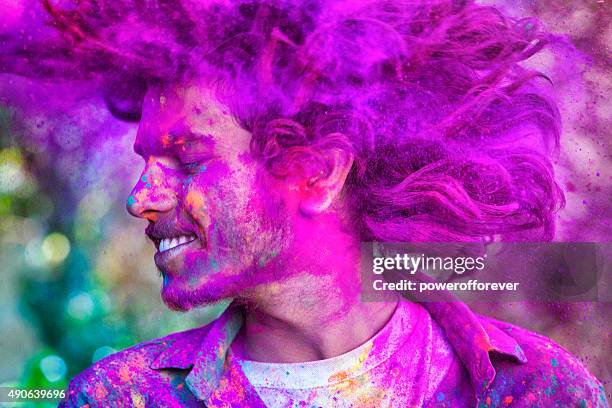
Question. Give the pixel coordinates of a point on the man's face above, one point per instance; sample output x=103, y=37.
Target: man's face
x=215, y=215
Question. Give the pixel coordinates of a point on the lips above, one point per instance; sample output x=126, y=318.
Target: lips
x=168, y=260
x=173, y=238
x=169, y=243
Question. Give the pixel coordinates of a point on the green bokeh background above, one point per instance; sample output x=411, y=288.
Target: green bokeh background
x=78, y=281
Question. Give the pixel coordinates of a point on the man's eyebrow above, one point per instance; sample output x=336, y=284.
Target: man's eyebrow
x=187, y=137
x=177, y=138
x=182, y=137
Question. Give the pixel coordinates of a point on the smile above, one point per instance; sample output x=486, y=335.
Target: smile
x=169, y=243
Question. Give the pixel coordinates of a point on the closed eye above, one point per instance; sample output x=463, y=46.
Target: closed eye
x=195, y=167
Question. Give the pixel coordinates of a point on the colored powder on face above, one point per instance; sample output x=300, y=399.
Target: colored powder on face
x=195, y=199
x=265, y=259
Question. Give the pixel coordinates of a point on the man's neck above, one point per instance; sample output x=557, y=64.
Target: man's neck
x=278, y=339
x=315, y=314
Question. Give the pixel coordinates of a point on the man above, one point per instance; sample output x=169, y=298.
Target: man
x=277, y=137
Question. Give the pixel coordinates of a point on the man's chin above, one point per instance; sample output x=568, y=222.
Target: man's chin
x=184, y=300
x=180, y=298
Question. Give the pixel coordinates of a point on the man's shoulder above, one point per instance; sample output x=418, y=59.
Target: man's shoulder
x=126, y=377
x=550, y=377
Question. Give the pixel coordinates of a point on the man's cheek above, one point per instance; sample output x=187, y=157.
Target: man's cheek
x=202, y=190
x=211, y=213
x=196, y=205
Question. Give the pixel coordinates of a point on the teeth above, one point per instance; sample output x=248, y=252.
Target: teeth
x=169, y=243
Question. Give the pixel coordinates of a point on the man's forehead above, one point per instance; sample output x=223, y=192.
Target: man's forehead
x=165, y=104
x=179, y=113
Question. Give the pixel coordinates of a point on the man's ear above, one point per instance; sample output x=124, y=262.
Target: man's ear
x=322, y=189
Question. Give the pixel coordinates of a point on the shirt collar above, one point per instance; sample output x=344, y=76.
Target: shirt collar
x=474, y=338
x=217, y=379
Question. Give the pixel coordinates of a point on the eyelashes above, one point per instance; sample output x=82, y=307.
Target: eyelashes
x=191, y=151
x=195, y=167
x=191, y=167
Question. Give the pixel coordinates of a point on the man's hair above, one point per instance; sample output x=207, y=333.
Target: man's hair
x=451, y=137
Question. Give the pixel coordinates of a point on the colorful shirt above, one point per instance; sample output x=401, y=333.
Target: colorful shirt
x=429, y=354
x=405, y=364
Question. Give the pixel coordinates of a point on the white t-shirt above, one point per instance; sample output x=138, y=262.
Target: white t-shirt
x=401, y=366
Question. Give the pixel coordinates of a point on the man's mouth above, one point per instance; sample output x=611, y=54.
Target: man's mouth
x=169, y=243
x=173, y=243
x=171, y=251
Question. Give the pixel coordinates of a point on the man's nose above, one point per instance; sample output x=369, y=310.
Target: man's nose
x=151, y=197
